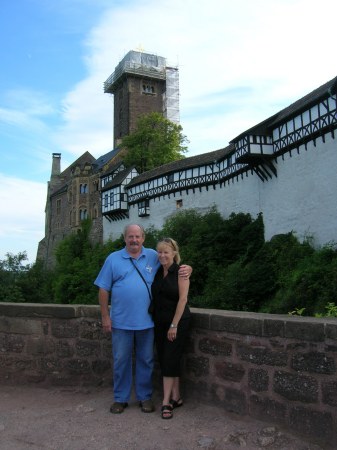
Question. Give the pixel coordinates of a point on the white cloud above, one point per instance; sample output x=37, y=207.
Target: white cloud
x=268, y=48
x=21, y=216
x=239, y=63
x=88, y=119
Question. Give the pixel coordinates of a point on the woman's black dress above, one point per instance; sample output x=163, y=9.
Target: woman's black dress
x=165, y=297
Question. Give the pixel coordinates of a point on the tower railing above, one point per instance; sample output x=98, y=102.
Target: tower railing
x=134, y=69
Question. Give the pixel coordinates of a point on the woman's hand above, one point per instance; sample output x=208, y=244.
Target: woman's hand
x=172, y=334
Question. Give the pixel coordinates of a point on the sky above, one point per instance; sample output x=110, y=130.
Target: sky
x=239, y=63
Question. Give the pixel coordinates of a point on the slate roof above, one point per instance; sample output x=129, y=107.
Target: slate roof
x=102, y=160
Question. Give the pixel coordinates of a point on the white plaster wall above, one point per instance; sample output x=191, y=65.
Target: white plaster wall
x=301, y=199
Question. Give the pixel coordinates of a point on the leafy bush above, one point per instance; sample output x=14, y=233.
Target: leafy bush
x=78, y=263
x=311, y=285
x=233, y=267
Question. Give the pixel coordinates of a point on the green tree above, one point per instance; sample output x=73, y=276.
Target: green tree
x=233, y=267
x=209, y=243
x=155, y=141
x=12, y=270
x=311, y=284
x=78, y=262
x=36, y=284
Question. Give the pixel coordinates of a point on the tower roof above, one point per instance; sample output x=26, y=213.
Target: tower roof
x=137, y=63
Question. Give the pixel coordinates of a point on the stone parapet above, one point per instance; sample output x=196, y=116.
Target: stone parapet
x=277, y=368
x=280, y=369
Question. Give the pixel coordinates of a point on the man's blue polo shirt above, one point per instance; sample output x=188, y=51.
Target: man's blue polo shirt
x=129, y=296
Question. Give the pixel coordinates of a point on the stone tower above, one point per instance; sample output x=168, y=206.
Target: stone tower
x=142, y=83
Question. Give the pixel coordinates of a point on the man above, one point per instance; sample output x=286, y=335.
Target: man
x=129, y=320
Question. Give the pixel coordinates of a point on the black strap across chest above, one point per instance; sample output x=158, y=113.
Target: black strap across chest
x=147, y=287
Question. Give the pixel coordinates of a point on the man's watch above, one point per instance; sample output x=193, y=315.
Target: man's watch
x=173, y=326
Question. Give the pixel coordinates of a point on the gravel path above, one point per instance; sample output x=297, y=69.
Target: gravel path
x=69, y=419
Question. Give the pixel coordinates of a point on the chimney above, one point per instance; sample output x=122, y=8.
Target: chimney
x=56, y=166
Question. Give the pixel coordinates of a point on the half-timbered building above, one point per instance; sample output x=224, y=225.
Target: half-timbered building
x=284, y=167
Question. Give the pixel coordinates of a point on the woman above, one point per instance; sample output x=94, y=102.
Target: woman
x=171, y=317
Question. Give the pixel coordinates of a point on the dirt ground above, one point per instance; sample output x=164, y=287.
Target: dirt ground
x=69, y=419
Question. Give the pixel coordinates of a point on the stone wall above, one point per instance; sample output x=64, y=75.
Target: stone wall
x=280, y=369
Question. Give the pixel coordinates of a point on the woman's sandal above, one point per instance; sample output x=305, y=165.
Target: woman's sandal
x=167, y=412
x=176, y=403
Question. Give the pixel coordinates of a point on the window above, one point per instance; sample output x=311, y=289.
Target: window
x=58, y=206
x=83, y=214
x=83, y=188
x=144, y=208
x=170, y=178
x=148, y=89
x=179, y=204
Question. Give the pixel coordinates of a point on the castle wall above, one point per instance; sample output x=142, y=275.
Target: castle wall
x=302, y=197
x=277, y=368
x=299, y=199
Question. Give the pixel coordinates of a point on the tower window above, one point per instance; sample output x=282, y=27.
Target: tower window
x=148, y=89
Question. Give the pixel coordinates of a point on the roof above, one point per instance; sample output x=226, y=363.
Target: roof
x=118, y=179
x=264, y=128
x=102, y=160
x=85, y=158
x=181, y=164
x=307, y=101
x=61, y=190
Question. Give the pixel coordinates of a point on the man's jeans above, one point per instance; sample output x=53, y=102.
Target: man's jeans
x=123, y=343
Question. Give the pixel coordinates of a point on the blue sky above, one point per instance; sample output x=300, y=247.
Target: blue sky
x=239, y=63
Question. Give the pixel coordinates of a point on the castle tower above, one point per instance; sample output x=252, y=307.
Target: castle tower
x=142, y=83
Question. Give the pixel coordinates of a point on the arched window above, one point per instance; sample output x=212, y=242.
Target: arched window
x=83, y=188
x=83, y=214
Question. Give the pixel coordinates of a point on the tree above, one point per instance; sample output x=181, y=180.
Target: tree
x=78, y=262
x=156, y=141
x=12, y=269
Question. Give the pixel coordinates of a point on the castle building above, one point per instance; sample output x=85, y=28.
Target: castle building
x=283, y=167
x=142, y=83
x=74, y=195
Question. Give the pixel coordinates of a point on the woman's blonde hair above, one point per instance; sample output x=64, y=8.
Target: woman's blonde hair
x=172, y=243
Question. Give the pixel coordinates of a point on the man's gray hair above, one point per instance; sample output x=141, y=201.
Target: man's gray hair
x=133, y=225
